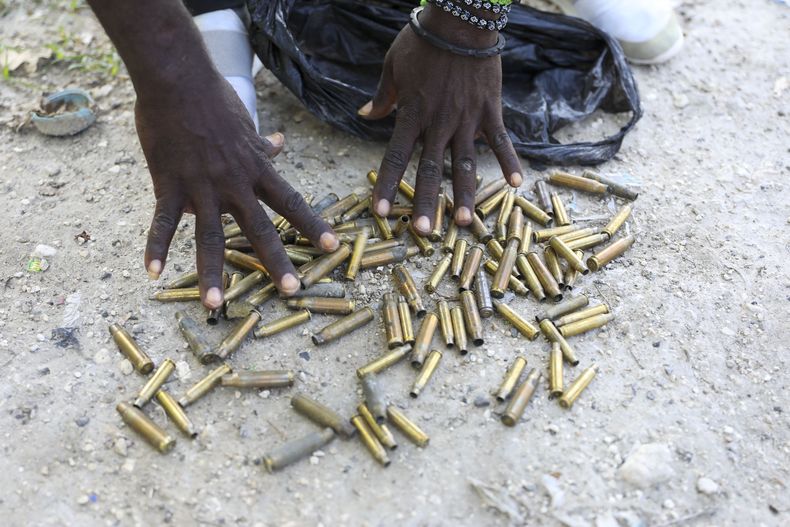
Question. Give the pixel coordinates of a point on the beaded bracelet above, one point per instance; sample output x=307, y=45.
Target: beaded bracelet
x=435, y=40
x=474, y=20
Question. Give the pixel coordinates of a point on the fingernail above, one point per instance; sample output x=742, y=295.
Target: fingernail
x=365, y=110
x=423, y=224
x=329, y=242
x=154, y=269
x=516, y=179
x=383, y=207
x=214, y=297
x=462, y=215
x=289, y=284
x=277, y=139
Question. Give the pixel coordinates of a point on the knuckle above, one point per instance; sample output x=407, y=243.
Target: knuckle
x=293, y=200
x=395, y=158
x=429, y=171
x=500, y=140
x=464, y=165
x=163, y=224
x=212, y=241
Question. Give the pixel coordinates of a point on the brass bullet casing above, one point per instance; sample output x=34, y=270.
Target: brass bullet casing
x=560, y=213
x=422, y=344
x=267, y=379
x=129, y=348
x=483, y=295
x=401, y=225
x=617, y=221
x=459, y=330
x=339, y=207
x=321, y=290
x=581, y=314
x=235, y=278
x=296, y=449
x=404, y=313
x=244, y=261
x=380, y=430
x=229, y=231
x=420, y=241
x=517, y=405
x=325, y=265
x=450, y=237
x=321, y=415
x=392, y=327
x=404, y=188
x=353, y=227
x=471, y=266
x=587, y=242
x=408, y=289
x=515, y=225
x=240, y=309
x=532, y=211
x=397, y=210
x=245, y=284
x=551, y=332
x=489, y=189
x=501, y=279
x=357, y=210
x=356, y=254
x=307, y=250
x=567, y=254
x=472, y=320
x=544, y=200
x=575, y=234
x=324, y=202
x=446, y=323
x=438, y=220
x=382, y=245
x=577, y=386
x=479, y=229
x=555, y=371
x=383, y=225
x=619, y=190
x=237, y=335
x=394, y=255
x=495, y=249
x=457, y=263
x=407, y=427
x=500, y=227
x=212, y=316
x=550, y=285
x=438, y=273
x=534, y=285
x=196, y=340
x=563, y=179
x=344, y=326
x=204, y=385
x=370, y=441
x=542, y=235
x=317, y=304
x=374, y=398
x=584, y=325
x=526, y=238
x=490, y=204
x=517, y=321
x=182, y=281
x=511, y=378
x=609, y=253
x=153, y=434
x=572, y=275
x=156, y=381
x=514, y=284
x=385, y=361
x=297, y=257
x=426, y=372
x=187, y=294
x=567, y=306
x=176, y=414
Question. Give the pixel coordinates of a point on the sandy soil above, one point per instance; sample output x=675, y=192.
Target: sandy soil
x=695, y=362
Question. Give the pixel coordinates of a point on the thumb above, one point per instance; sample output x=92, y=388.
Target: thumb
x=385, y=99
x=273, y=144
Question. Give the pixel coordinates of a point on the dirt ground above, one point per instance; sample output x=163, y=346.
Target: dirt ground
x=695, y=365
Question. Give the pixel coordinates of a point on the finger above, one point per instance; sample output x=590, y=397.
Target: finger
x=258, y=228
x=429, y=179
x=499, y=141
x=385, y=99
x=273, y=144
x=396, y=158
x=464, y=170
x=167, y=215
x=210, y=255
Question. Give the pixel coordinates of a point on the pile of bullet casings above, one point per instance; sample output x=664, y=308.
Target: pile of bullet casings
x=535, y=249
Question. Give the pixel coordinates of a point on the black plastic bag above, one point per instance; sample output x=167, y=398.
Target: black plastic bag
x=556, y=70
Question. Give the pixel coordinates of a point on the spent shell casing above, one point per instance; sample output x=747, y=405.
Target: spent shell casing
x=186, y=294
x=571, y=275
x=404, y=313
x=240, y=309
x=534, y=285
x=245, y=284
x=237, y=335
x=438, y=219
x=561, y=216
x=401, y=225
x=553, y=265
x=267, y=379
x=426, y=372
x=420, y=241
x=344, y=326
x=472, y=320
x=160, y=376
x=438, y=273
x=471, y=266
x=490, y=204
x=551, y=333
x=450, y=237
x=394, y=255
x=212, y=316
x=586, y=324
x=495, y=249
x=422, y=343
x=501, y=280
x=515, y=225
x=555, y=371
x=567, y=254
x=244, y=261
x=392, y=325
x=511, y=378
x=617, y=221
x=185, y=280
x=568, y=305
x=235, y=278
x=459, y=330
x=404, y=188
x=397, y=210
x=322, y=290
x=581, y=314
x=382, y=245
x=514, y=284
x=547, y=281
x=479, y=229
x=374, y=396
x=297, y=257
x=407, y=427
x=489, y=189
x=542, y=193
x=129, y=348
x=385, y=361
x=196, y=339
x=357, y=210
x=532, y=211
x=204, y=385
x=383, y=225
x=408, y=289
x=325, y=265
x=339, y=207
x=577, y=386
x=357, y=252
x=609, y=253
x=505, y=208
x=380, y=430
x=321, y=415
x=526, y=238
x=297, y=449
x=541, y=235
x=587, y=242
x=316, y=304
x=483, y=295
x=229, y=231
x=370, y=441
x=357, y=225
x=446, y=323
x=575, y=234
x=324, y=202
x=618, y=189
x=457, y=262
x=153, y=434
x=176, y=414
x=517, y=321
x=563, y=179
x=518, y=403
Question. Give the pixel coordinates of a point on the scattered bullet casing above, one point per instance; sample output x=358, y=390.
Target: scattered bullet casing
x=532, y=211
x=555, y=370
x=156, y=381
x=382, y=245
x=472, y=320
x=380, y=430
x=617, y=221
x=479, y=229
x=503, y=216
x=325, y=265
x=511, y=378
x=577, y=386
x=575, y=234
x=459, y=330
x=329, y=306
x=385, y=257
x=534, y=285
x=244, y=261
x=553, y=265
x=457, y=262
x=526, y=238
x=356, y=254
x=438, y=273
x=204, y=385
x=489, y=189
x=370, y=441
x=237, y=335
x=567, y=306
x=297, y=257
x=397, y=210
x=542, y=235
x=426, y=249
x=408, y=289
x=145, y=427
x=259, y=379
x=581, y=314
x=129, y=348
x=572, y=275
x=404, y=313
x=560, y=214
x=344, y=326
x=514, y=284
x=609, y=253
x=619, y=190
x=374, y=398
x=584, y=325
x=483, y=295
x=292, y=451
x=502, y=276
x=235, y=278
x=471, y=266
x=245, y=284
x=450, y=237
x=547, y=281
x=212, y=317
x=321, y=415
x=407, y=427
x=324, y=202
x=182, y=281
x=438, y=219
x=176, y=414
x=187, y=294
x=542, y=192
x=551, y=332
x=517, y=321
x=422, y=343
x=405, y=189
x=489, y=205
x=384, y=228
x=385, y=361
x=567, y=254
x=321, y=290
x=339, y=207
x=229, y=231
x=587, y=242
x=392, y=326
x=196, y=340
x=495, y=249
x=517, y=405
x=427, y=371
x=446, y=323
x=401, y=225
x=357, y=210
x=563, y=179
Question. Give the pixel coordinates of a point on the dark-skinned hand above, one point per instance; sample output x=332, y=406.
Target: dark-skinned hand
x=446, y=100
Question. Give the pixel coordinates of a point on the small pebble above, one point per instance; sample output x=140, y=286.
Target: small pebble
x=707, y=486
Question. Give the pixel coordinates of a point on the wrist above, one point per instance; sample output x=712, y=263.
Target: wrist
x=456, y=31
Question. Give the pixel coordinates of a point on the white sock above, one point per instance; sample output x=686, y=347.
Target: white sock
x=628, y=20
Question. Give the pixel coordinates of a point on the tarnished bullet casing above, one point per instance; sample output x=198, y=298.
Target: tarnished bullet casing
x=567, y=254
x=471, y=266
x=356, y=254
x=404, y=313
x=553, y=265
x=619, y=190
x=374, y=396
x=244, y=261
x=438, y=273
x=297, y=449
x=204, y=385
x=235, y=278
x=324, y=265
x=529, y=276
x=370, y=441
x=457, y=262
x=517, y=321
x=561, y=216
x=129, y=348
x=571, y=275
x=407, y=427
x=514, y=284
x=551, y=333
x=438, y=220
x=229, y=231
x=459, y=330
x=357, y=210
x=575, y=234
x=426, y=249
x=581, y=314
x=153, y=434
x=344, y=326
x=383, y=225
x=547, y=281
x=385, y=257
x=382, y=245
x=401, y=225
x=321, y=415
x=483, y=295
x=237, y=335
x=297, y=257
x=156, y=381
x=489, y=205
x=587, y=242
x=577, y=386
x=245, y=284
x=515, y=225
x=495, y=249
x=404, y=187
x=422, y=343
x=472, y=320
x=187, y=294
x=408, y=289
x=328, y=306
x=500, y=227
x=185, y=280
x=489, y=189
x=609, y=253
x=541, y=235
x=617, y=221
x=380, y=430
x=267, y=379
x=526, y=239
x=176, y=414
x=446, y=323
x=517, y=405
x=584, y=325
x=212, y=316
x=392, y=326
x=426, y=372
x=321, y=290
x=501, y=280
x=567, y=306
x=555, y=371
x=196, y=340
x=397, y=210
x=479, y=229
x=338, y=208
x=532, y=211
x=511, y=378
x=450, y=237
x=385, y=361
x=542, y=193
x=563, y=179
x=321, y=205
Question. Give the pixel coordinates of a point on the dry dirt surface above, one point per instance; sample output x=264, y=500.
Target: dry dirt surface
x=686, y=423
